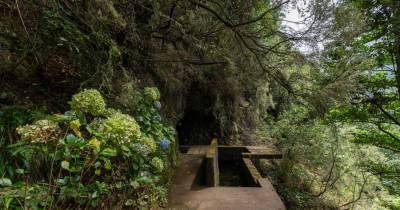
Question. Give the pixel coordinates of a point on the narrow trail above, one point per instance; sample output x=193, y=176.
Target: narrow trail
x=216, y=177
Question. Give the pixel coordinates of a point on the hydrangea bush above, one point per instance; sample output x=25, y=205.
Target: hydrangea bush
x=93, y=152
x=89, y=102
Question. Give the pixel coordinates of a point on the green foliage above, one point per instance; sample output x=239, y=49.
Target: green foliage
x=35, y=196
x=107, y=14
x=393, y=204
x=10, y=118
x=238, y=54
x=376, y=137
x=374, y=109
x=75, y=159
x=64, y=32
x=299, y=199
x=148, y=117
x=321, y=168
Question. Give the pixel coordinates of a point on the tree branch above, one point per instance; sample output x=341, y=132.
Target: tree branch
x=359, y=193
x=260, y=17
x=385, y=112
x=388, y=133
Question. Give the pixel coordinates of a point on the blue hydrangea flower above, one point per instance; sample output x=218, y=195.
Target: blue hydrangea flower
x=157, y=105
x=164, y=143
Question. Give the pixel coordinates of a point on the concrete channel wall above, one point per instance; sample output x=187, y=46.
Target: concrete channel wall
x=211, y=160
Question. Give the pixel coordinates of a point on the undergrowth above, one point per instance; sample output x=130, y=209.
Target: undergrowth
x=321, y=168
x=89, y=157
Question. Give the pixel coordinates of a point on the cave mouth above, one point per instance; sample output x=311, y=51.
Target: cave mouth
x=198, y=125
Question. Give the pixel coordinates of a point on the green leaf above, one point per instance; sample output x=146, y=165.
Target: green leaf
x=97, y=164
x=125, y=148
x=94, y=143
x=107, y=164
x=5, y=182
x=75, y=124
x=62, y=181
x=65, y=164
x=20, y=171
x=71, y=138
x=118, y=185
x=134, y=184
x=129, y=202
x=98, y=172
x=7, y=202
x=135, y=166
x=109, y=152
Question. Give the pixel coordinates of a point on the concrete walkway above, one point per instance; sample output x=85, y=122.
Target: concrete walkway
x=186, y=193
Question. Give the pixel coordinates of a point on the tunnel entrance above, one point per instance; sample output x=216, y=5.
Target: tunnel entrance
x=198, y=125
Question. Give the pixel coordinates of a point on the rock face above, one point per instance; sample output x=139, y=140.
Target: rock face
x=210, y=85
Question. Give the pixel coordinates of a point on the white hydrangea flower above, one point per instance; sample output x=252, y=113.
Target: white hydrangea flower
x=88, y=101
x=40, y=131
x=152, y=93
x=157, y=164
x=121, y=129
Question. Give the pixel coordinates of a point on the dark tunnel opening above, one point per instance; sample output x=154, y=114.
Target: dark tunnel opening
x=198, y=125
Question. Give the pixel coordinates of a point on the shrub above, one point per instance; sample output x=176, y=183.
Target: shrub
x=81, y=157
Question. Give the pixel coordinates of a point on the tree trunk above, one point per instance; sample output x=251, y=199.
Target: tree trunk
x=396, y=30
x=397, y=60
